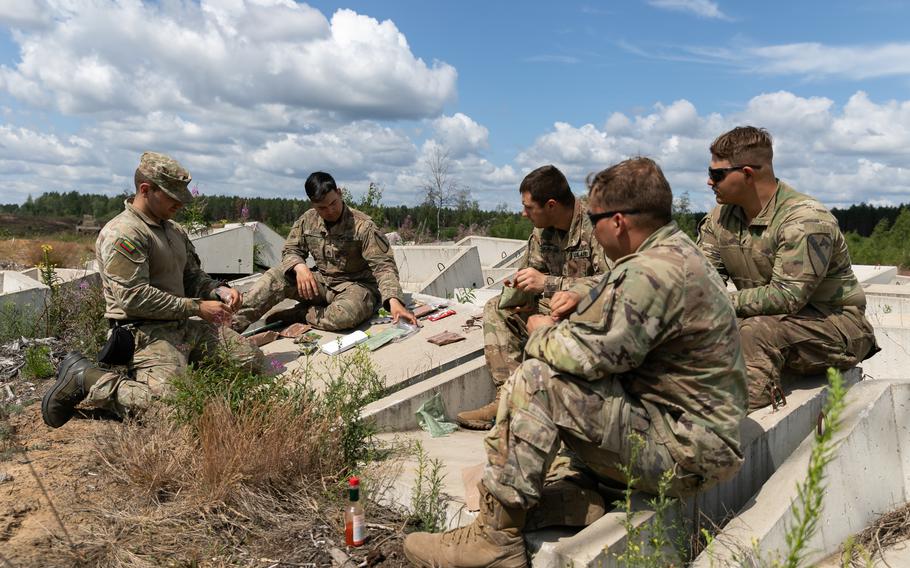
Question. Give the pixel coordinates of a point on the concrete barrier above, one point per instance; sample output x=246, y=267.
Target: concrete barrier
x=868, y=476
x=768, y=438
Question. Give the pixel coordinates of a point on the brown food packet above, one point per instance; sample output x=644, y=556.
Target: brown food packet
x=263, y=338
x=445, y=338
x=295, y=330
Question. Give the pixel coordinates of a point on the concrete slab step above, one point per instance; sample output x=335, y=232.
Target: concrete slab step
x=460, y=388
x=768, y=437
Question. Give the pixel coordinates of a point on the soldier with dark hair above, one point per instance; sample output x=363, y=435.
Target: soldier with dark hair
x=355, y=268
x=799, y=303
x=652, y=353
x=153, y=285
x=562, y=253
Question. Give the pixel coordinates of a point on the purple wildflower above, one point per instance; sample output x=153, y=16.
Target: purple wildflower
x=276, y=365
x=83, y=285
x=244, y=213
x=195, y=191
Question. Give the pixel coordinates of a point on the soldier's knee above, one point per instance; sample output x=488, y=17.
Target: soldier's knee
x=758, y=330
x=134, y=396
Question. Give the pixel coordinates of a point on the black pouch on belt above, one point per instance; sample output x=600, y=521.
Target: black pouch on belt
x=120, y=346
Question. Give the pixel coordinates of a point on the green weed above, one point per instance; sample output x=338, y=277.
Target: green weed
x=428, y=504
x=649, y=545
x=38, y=363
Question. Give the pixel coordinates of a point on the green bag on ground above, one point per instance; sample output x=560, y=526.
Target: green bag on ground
x=431, y=417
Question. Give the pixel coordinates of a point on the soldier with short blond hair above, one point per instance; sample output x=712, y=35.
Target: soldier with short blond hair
x=799, y=304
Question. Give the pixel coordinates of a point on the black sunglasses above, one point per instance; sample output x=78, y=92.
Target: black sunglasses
x=718, y=175
x=595, y=217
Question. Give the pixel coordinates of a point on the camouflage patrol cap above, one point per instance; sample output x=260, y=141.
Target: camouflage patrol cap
x=168, y=174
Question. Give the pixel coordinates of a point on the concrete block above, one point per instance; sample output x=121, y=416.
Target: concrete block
x=874, y=274
x=494, y=251
x=461, y=388
x=867, y=477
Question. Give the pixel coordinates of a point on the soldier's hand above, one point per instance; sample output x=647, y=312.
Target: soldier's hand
x=530, y=280
x=307, y=286
x=229, y=296
x=398, y=311
x=538, y=321
x=214, y=311
x=563, y=304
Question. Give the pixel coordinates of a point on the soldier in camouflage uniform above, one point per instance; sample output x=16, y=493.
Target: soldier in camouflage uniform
x=652, y=353
x=153, y=285
x=355, y=268
x=562, y=253
x=799, y=303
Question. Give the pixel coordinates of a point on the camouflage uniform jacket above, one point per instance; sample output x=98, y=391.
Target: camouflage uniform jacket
x=792, y=254
x=565, y=256
x=150, y=270
x=660, y=322
x=350, y=250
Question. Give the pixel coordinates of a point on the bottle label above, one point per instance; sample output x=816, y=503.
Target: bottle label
x=359, y=529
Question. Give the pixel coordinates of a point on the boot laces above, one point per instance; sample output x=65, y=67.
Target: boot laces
x=464, y=534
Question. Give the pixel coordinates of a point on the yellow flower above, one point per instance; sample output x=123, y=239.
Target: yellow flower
x=47, y=248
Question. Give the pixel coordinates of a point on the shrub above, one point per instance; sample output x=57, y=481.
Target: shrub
x=38, y=363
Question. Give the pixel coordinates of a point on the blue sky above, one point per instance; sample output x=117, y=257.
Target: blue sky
x=252, y=95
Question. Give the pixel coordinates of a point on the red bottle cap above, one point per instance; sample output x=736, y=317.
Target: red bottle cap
x=354, y=482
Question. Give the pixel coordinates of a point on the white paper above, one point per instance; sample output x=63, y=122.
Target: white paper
x=344, y=343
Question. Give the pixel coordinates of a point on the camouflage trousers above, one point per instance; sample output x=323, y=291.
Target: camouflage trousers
x=163, y=351
x=539, y=409
x=505, y=333
x=336, y=307
x=805, y=343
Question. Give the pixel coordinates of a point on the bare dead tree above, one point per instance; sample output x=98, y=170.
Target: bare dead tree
x=440, y=188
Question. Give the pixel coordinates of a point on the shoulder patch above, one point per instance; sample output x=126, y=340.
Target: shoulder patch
x=125, y=246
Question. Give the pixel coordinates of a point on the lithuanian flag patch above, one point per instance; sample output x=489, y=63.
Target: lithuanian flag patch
x=124, y=244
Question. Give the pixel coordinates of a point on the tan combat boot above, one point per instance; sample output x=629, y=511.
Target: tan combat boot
x=480, y=419
x=494, y=539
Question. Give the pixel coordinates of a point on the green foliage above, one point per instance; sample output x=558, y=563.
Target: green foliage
x=221, y=377
x=333, y=392
x=683, y=215
x=38, y=363
x=511, y=226
x=649, y=545
x=465, y=295
x=16, y=322
x=807, y=508
x=428, y=504
x=349, y=382
x=888, y=244
x=369, y=203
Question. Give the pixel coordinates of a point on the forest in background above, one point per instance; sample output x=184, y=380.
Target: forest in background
x=875, y=234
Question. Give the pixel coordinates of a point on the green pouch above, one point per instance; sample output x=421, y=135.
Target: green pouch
x=431, y=417
x=512, y=297
x=377, y=340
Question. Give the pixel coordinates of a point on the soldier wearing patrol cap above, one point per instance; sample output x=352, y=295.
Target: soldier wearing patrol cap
x=800, y=306
x=153, y=285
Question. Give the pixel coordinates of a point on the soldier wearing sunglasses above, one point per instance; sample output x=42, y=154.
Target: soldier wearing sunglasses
x=799, y=304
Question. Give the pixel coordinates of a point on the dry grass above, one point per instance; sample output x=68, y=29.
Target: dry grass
x=229, y=490
x=891, y=528
x=65, y=254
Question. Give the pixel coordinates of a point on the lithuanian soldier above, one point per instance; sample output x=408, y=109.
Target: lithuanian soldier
x=799, y=303
x=649, y=360
x=562, y=253
x=355, y=268
x=153, y=285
